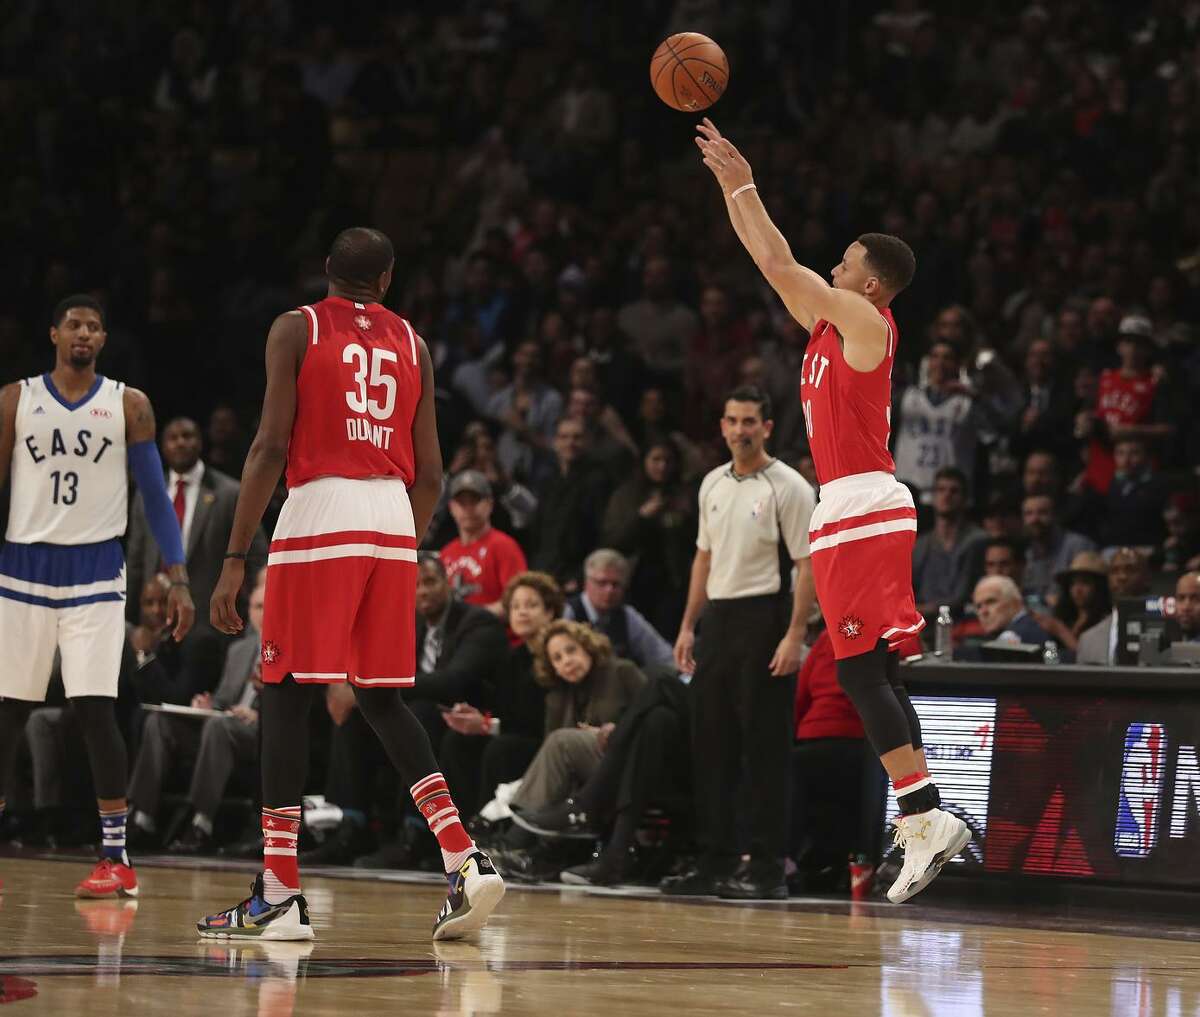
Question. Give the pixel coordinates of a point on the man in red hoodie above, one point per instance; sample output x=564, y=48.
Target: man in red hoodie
x=829, y=739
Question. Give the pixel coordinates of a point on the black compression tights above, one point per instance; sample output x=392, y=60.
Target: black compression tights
x=284, y=713
x=872, y=681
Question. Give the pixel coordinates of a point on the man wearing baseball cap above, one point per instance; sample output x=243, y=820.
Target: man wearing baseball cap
x=481, y=559
x=1129, y=402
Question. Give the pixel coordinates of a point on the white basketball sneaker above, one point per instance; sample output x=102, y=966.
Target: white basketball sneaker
x=930, y=839
x=475, y=890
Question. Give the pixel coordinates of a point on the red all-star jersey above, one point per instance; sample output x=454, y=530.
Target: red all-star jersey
x=848, y=413
x=1119, y=401
x=356, y=395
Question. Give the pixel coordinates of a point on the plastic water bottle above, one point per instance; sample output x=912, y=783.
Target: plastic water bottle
x=942, y=644
x=1050, y=653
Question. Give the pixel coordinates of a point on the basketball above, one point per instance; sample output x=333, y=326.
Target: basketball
x=689, y=71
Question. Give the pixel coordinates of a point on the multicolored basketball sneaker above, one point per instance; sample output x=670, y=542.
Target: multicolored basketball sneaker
x=254, y=918
x=475, y=890
x=109, y=879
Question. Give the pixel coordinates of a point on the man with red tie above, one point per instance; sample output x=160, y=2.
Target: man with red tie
x=204, y=500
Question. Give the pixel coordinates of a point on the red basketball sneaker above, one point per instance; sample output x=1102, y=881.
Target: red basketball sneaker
x=109, y=879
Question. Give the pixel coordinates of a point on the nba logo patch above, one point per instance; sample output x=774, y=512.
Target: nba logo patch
x=756, y=509
x=270, y=652
x=1139, y=801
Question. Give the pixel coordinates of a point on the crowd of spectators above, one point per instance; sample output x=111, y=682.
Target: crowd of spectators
x=586, y=303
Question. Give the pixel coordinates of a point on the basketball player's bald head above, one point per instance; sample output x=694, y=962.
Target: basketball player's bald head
x=361, y=259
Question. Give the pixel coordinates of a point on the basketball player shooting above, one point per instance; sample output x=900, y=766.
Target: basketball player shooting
x=863, y=530
x=349, y=408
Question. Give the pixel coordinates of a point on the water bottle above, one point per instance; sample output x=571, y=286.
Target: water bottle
x=1050, y=653
x=942, y=644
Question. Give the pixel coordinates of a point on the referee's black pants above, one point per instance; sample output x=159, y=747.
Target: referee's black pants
x=742, y=728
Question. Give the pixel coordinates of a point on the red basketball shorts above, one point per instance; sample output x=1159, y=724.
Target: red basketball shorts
x=861, y=539
x=341, y=585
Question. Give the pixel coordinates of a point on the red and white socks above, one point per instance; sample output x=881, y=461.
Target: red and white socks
x=281, y=873
x=433, y=801
x=916, y=793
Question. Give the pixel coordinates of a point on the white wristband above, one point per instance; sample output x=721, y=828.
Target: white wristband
x=744, y=187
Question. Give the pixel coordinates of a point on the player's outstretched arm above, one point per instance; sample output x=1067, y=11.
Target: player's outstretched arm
x=146, y=466
x=9, y=395
x=426, y=487
x=806, y=294
x=264, y=462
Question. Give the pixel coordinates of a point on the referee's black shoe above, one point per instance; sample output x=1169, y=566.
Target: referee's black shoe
x=755, y=880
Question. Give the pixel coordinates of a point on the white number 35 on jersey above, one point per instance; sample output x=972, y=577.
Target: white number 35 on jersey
x=356, y=398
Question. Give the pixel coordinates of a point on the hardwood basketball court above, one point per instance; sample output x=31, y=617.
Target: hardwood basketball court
x=551, y=951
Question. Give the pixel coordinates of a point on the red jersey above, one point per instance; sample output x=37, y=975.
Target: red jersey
x=356, y=395
x=479, y=571
x=1119, y=401
x=848, y=413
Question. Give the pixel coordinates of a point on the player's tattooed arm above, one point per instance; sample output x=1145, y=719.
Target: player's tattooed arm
x=9, y=395
x=139, y=417
x=426, y=487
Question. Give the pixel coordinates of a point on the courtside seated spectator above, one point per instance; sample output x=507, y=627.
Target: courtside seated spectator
x=1128, y=576
x=1083, y=599
x=459, y=649
x=1187, y=606
x=210, y=749
x=481, y=559
x=489, y=747
x=1003, y=616
x=601, y=604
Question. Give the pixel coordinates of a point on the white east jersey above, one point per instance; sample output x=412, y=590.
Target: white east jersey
x=69, y=481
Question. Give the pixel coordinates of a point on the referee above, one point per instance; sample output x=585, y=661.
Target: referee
x=754, y=516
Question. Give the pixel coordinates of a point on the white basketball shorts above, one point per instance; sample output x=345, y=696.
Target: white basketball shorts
x=65, y=598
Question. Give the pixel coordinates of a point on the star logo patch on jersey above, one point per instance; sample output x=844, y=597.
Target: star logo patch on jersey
x=850, y=627
x=270, y=652
x=361, y=321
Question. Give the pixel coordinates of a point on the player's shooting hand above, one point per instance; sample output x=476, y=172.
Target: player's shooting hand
x=222, y=610
x=181, y=612
x=789, y=655
x=721, y=156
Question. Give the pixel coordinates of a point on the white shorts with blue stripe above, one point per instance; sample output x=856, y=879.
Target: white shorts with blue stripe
x=66, y=598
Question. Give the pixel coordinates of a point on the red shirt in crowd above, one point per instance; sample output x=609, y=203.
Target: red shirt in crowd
x=1120, y=400
x=822, y=709
x=479, y=571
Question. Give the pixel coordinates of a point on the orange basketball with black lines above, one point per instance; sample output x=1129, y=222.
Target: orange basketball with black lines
x=689, y=71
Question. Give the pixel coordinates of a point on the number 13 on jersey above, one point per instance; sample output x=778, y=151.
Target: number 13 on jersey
x=379, y=402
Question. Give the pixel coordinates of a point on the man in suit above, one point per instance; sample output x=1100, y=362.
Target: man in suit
x=1003, y=615
x=213, y=746
x=204, y=500
x=1128, y=576
x=459, y=647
